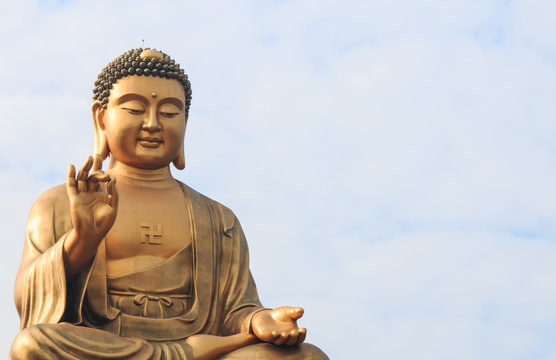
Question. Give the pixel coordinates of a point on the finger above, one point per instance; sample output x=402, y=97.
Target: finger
x=94, y=179
x=83, y=174
x=295, y=313
x=103, y=186
x=84, y=171
x=97, y=163
x=269, y=336
x=302, y=335
x=112, y=194
x=292, y=339
x=93, y=186
x=70, y=183
x=98, y=176
x=282, y=338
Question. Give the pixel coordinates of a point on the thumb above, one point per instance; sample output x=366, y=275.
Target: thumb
x=286, y=313
x=295, y=313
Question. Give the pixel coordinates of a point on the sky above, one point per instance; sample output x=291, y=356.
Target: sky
x=392, y=163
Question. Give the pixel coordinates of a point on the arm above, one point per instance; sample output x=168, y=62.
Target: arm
x=243, y=309
x=40, y=286
x=50, y=246
x=237, y=291
x=93, y=212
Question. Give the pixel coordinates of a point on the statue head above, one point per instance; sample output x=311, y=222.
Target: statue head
x=146, y=92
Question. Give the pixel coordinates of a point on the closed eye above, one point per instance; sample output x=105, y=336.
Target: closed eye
x=169, y=114
x=134, y=111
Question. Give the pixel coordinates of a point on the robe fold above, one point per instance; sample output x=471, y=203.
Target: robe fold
x=224, y=292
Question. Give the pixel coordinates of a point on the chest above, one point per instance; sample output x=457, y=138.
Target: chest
x=150, y=223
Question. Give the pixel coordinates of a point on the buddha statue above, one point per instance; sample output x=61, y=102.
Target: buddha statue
x=130, y=263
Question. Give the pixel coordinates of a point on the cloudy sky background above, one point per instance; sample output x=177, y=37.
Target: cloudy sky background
x=393, y=163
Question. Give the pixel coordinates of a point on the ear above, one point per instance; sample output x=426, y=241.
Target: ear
x=101, y=144
x=179, y=161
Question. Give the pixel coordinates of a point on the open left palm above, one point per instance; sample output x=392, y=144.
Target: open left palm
x=279, y=326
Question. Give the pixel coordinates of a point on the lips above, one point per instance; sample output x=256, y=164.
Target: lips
x=150, y=142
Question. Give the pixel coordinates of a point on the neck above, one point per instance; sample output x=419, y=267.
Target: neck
x=130, y=174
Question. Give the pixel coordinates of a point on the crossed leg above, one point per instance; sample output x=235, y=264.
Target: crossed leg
x=66, y=341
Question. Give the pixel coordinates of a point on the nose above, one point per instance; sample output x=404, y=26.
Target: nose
x=152, y=123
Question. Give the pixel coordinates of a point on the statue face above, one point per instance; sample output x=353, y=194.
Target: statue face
x=144, y=122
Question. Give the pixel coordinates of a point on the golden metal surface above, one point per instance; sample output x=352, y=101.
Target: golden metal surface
x=130, y=263
x=151, y=54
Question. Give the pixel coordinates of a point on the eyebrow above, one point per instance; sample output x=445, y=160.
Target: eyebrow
x=127, y=97
x=133, y=96
x=174, y=101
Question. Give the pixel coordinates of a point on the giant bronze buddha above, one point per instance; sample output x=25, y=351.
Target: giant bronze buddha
x=130, y=263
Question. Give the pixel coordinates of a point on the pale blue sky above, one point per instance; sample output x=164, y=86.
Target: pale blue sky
x=400, y=155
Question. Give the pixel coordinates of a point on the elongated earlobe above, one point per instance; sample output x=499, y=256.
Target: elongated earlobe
x=101, y=144
x=179, y=161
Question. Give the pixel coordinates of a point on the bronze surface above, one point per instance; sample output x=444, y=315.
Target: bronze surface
x=130, y=263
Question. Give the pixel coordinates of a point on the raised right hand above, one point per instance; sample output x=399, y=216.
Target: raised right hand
x=93, y=209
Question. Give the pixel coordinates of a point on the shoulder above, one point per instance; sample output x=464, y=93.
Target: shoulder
x=226, y=215
x=53, y=199
x=49, y=217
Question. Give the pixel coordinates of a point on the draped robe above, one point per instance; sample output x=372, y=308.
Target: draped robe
x=224, y=293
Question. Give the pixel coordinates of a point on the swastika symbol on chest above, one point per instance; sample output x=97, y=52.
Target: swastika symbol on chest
x=151, y=234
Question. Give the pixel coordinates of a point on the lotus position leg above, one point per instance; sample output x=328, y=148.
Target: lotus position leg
x=65, y=341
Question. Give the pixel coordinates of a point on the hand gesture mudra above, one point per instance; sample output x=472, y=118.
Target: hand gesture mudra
x=279, y=326
x=93, y=206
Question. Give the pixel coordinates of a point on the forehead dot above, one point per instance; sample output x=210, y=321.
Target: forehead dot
x=154, y=95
